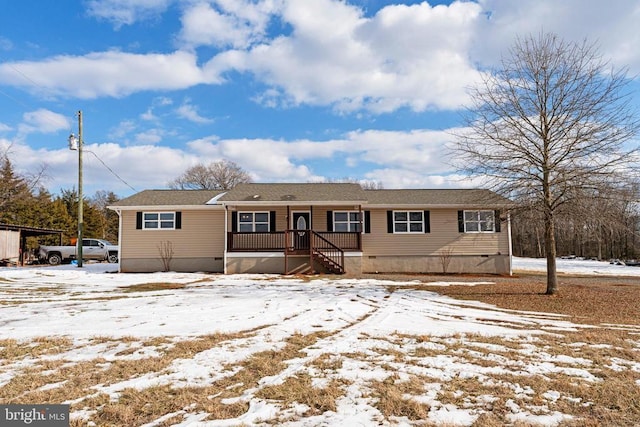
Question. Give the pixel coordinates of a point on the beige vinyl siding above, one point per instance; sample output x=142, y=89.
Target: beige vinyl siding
x=201, y=236
x=444, y=234
x=318, y=214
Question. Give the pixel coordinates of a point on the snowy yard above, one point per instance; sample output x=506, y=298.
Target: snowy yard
x=212, y=350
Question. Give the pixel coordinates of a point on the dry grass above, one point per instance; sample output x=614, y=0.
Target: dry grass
x=148, y=287
x=491, y=370
x=590, y=300
x=299, y=390
x=392, y=398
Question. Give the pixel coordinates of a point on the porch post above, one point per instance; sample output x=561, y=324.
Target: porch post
x=286, y=242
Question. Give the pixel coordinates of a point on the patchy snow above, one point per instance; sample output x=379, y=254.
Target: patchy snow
x=366, y=317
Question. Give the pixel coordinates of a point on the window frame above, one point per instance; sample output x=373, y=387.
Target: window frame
x=358, y=223
x=479, y=221
x=408, y=222
x=253, y=221
x=158, y=220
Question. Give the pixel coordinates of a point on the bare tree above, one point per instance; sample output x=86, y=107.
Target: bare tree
x=553, y=119
x=220, y=175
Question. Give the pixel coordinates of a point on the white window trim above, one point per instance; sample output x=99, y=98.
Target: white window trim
x=477, y=221
x=359, y=222
x=408, y=222
x=159, y=221
x=253, y=221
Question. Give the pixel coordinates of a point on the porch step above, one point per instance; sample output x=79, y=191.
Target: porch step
x=328, y=263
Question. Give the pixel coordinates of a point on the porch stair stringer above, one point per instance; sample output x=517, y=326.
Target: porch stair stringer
x=328, y=263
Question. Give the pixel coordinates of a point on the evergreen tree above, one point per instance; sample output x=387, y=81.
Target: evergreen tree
x=15, y=196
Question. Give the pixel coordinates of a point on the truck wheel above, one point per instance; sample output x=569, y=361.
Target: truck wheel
x=54, y=259
x=113, y=257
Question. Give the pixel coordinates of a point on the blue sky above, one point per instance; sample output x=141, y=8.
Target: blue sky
x=291, y=90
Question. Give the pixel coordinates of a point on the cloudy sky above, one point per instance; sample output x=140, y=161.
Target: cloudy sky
x=291, y=90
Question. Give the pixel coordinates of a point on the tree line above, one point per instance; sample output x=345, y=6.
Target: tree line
x=599, y=225
x=25, y=201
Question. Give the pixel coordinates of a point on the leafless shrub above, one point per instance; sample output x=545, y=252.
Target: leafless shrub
x=165, y=249
x=445, y=256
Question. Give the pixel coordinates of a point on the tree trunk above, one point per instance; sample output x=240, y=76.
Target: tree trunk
x=550, y=246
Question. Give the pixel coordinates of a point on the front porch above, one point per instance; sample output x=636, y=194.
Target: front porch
x=304, y=251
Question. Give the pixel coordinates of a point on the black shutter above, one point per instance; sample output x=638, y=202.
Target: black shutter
x=272, y=221
x=497, y=219
x=427, y=222
x=389, y=221
x=178, y=220
x=138, y=220
x=329, y=220
x=234, y=221
x=367, y=221
x=460, y=221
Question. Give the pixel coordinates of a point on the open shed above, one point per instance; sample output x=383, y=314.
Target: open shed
x=13, y=241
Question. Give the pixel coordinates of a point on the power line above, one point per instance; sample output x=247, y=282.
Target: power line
x=109, y=169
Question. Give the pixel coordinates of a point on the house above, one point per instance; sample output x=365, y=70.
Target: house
x=315, y=227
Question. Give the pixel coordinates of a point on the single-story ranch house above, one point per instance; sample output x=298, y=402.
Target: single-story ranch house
x=315, y=227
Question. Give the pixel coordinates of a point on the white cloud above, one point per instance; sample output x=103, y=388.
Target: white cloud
x=5, y=127
x=126, y=12
x=5, y=43
x=402, y=57
x=223, y=23
x=112, y=73
x=189, y=112
x=149, y=137
x=613, y=27
x=43, y=121
x=410, y=154
x=417, y=56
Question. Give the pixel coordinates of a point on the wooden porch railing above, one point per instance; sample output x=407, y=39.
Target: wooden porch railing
x=279, y=241
x=255, y=242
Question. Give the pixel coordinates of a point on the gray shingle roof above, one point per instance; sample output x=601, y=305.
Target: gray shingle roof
x=443, y=197
x=169, y=198
x=316, y=193
x=302, y=192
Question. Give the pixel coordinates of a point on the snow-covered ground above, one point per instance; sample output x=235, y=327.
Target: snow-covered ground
x=358, y=315
x=576, y=266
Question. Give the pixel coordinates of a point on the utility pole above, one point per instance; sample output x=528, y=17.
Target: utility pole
x=76, y=144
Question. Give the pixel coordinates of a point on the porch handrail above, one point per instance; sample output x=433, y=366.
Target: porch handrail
x=327, y=249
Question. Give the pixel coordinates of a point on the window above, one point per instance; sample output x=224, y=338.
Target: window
x=479, y=222
x=253, y=222
x=408, y=222
x=158, y=220
x=347, y=222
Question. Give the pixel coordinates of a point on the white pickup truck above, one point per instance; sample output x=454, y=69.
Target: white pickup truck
x=97, y=249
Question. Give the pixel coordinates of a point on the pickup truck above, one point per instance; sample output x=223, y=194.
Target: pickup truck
x=97, y=249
